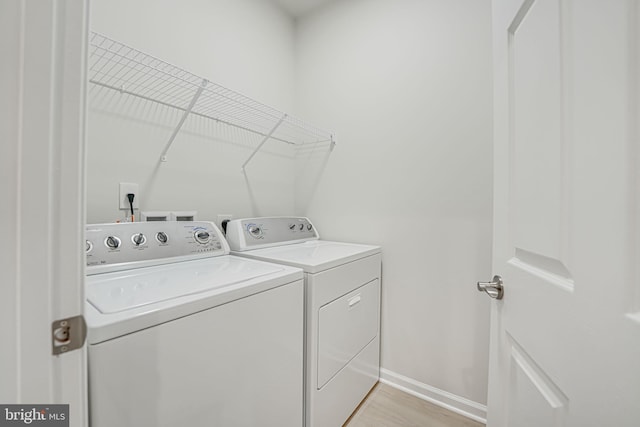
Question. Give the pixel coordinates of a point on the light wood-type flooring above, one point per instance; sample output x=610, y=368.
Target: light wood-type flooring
x=388, y=407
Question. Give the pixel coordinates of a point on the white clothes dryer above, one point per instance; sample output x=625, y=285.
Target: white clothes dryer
x=182, y=333
x=342, y=309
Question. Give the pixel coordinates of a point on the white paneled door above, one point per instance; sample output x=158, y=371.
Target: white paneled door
x=565, y=338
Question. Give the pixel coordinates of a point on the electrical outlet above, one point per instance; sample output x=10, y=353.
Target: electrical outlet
x=222, y=217
x=129, y=188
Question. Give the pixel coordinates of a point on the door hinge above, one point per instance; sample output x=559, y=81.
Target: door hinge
x=68, y=334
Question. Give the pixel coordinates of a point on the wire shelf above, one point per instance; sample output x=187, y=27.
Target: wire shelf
x=119, y=67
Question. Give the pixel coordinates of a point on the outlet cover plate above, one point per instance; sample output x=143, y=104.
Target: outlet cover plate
x=126, y=188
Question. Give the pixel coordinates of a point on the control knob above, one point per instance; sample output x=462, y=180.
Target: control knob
x=255, y=230
x=138, y=239
x=112, y=242
x=309, y=227
x=202, y=236
x=292, y=227
x=301, y=227
x=162, y=237
x=88, y=246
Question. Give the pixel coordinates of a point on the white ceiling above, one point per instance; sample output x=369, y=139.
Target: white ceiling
x=298, y=8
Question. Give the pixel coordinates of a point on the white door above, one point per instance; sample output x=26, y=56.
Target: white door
x=42, y=113
x=565, y=343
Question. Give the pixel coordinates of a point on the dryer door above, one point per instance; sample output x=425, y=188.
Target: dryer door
x=346, y=326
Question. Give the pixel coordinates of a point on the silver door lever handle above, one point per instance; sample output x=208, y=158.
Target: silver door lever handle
x=494, y=289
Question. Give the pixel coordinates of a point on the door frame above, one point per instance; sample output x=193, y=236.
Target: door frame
x=42, y=188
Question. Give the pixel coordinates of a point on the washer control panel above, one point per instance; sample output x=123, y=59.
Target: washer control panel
x=113, y=247
x=254, y=233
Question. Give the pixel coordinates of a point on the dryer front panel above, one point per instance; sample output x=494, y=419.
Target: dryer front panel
x=346, y=325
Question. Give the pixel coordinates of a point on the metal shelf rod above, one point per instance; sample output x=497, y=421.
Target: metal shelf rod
x=266, y=138
x=163, y=156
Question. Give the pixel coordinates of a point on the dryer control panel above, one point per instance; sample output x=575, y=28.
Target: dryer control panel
x=123, y=246
x=254, y=233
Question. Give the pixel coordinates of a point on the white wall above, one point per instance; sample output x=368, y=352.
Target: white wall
x=246, y=45
x=406, y=86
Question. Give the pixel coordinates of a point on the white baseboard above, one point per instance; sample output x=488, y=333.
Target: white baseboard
x=450, y=401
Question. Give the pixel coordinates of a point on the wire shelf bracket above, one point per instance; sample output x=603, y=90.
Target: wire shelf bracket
x=265, y=139
x=163, y=156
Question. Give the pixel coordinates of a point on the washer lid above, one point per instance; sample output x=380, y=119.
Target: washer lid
x=313, y=256
x=121, y=291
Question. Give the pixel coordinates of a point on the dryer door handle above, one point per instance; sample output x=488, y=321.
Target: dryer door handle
x=354, y=300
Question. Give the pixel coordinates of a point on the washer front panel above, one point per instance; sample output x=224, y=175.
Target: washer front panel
x=238, y=364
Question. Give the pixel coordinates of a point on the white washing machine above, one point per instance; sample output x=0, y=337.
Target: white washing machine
x=342, y=320
x=182, y=333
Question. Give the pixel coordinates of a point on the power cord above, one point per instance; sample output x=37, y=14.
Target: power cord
x=131, y=196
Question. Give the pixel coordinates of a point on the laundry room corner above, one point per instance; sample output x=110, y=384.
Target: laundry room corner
x=243, y=45
x=407, y=89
